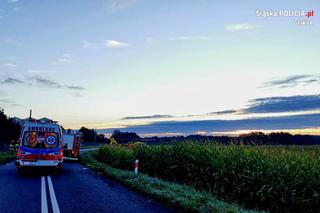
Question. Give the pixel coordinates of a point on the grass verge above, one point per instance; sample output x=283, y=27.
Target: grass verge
x=5, y=157
x=181, y=197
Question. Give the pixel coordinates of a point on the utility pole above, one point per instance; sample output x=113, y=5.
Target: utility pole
x=30, y=115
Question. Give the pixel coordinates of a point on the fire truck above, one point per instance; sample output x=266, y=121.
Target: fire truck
x=72, y=142
x=41, y=145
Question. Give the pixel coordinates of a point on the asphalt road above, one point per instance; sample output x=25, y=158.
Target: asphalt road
x=77, y=189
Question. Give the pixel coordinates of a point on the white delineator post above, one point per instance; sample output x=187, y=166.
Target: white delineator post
x=136, y=166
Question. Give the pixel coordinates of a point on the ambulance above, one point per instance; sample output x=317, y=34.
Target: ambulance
x=41, y=145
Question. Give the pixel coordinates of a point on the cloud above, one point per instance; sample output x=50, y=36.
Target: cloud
x=187, y=38
x=16, y=105
x=292, y=81
x=66, y=58
x=10, y=65
x=116, y=5
x=32, y=71
x=115, y=44
x=11, y=81
x=54, y=85
x=284, y=104
x=223, y=112
x=147, y=117
x=9, y=103
x=289, y=104
x=278, y=104
x=75, y=88
x=46, y=82
x=241, y=27
x=13, y=1
x=41, y=82
x=191, y=127
x=6, y=101
x=107, y=44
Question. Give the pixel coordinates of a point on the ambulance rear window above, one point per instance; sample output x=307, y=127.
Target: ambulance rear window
x=44, y=140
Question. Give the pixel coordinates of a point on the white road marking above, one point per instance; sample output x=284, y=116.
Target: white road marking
x=44, y=205
x=55, y=206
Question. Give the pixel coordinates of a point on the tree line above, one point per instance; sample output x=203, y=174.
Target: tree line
x=253, y=138
x=90, y=135
x=9, y=129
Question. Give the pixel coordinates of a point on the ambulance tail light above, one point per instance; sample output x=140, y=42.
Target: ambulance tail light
x=60, y=154
x=18, y=152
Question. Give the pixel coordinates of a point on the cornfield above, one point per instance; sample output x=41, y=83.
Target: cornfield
x=276, y=179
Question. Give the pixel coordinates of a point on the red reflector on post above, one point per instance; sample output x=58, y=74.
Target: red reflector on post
x=136, y=166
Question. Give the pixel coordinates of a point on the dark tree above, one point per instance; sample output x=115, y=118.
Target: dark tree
x=257, y=138
x=9, y=130
x=125, y=137
x=89, y=135
x=102, y=139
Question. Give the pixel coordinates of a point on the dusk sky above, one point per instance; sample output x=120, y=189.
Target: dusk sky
x=162, y=67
